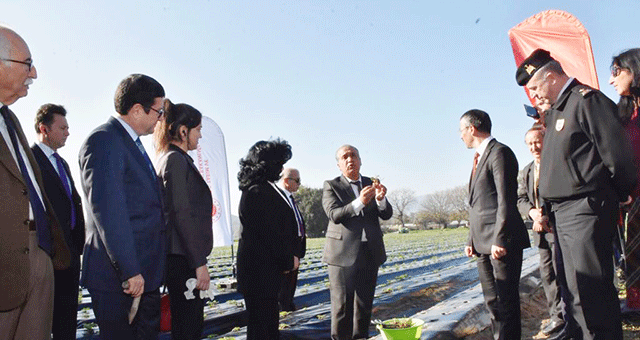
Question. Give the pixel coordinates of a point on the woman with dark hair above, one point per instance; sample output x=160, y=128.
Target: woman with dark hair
x=188, y=205
x=625, y=78
x=269, y=229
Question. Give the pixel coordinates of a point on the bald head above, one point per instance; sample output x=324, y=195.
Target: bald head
x=290, y=179
x=16, y=69
x=8, y=38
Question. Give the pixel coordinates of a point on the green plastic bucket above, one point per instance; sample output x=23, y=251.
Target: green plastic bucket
x=411, y=333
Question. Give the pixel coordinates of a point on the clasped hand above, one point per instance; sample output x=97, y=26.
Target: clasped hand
x=134, y=286
x=367, y=193
x=540, y=222
x=496, y=251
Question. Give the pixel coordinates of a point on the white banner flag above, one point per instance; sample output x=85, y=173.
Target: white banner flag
x=211, y=160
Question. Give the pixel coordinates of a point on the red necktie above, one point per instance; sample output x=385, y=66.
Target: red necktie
x=475, y=164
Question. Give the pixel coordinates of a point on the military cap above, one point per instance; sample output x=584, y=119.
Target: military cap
x=531, y=65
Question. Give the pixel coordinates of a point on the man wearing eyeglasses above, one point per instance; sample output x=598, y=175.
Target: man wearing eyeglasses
x=31, y=243
x=289, y=183
x=124, y=252
x=586, y=169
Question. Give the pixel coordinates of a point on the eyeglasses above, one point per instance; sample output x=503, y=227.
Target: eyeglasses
x=616, y=70
x=297, y=180
x=159, y=112
x=28, y=63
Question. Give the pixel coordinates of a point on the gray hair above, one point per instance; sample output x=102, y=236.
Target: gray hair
x=535, y=128
x=347, y=146
x=5, y=43
x=552, y=66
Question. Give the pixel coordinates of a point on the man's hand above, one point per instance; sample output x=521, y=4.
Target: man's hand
x=540, y=222
x=381, y=191
x=296, y=264
x=627, y=202
x=535, y=214
x=135, y=286
x=202, y=275
x=468, y=251
x=497, y=252
x=542, y=226
x=366, y=194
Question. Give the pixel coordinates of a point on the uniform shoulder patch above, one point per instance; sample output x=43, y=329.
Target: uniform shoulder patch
x=583, y=90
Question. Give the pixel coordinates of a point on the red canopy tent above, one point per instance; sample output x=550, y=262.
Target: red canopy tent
x=563, y=36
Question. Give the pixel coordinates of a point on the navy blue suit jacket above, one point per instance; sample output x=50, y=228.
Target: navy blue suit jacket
x=125, y=224
x=61, y=204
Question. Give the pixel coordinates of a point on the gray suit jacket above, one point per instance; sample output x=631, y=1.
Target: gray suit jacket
x=344, y=232
x=526, y=202
x=494, y=216
x=188, y=206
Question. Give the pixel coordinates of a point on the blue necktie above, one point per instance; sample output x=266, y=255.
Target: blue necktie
x=65, y=183
x=40, y=215
x=146, y=157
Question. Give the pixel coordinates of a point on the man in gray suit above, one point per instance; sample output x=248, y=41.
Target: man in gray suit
x=497, y=234
x=530, y=204
x=354, y=249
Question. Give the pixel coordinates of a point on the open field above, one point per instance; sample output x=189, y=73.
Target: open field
x=424, y=268
x=410, y=257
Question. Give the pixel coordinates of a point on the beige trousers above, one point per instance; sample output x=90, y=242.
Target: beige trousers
x=33, y=319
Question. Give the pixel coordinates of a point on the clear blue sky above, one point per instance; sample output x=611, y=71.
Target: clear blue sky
x=391, y=78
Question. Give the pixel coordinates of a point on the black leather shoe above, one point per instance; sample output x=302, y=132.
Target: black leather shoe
x=552, y=327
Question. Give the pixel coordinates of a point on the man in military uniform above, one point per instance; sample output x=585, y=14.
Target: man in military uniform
x=586, y=170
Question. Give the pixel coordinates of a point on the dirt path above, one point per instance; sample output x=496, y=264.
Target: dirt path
x=534, y=313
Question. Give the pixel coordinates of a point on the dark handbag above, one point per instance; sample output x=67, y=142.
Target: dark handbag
x=165, y=312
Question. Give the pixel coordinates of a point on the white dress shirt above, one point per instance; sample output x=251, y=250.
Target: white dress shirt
x=5, y=134
x=49, y=153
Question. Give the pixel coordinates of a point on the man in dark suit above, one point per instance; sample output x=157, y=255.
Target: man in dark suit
x=289, y=183
x=354, y=249
x=125, y=250
x=587, y=168
x=497, y=234
x=31, y=243
x=52, y=129
x=530, y=205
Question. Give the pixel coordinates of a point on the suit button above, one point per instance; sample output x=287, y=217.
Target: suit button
x=24, y=191
x=26, y=251
x=26, y=222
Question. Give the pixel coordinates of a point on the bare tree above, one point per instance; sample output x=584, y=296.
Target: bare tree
x=460, y=203
x=437, y=208
x=401, y=200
